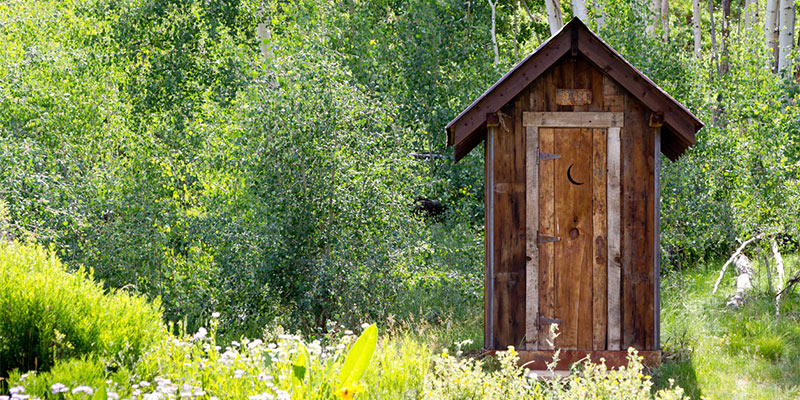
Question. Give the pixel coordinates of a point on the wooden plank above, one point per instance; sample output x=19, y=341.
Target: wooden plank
x=614, y=229
x=538, y=359
x=573, y=119
x=573, y=97
x=488, y=289
x=532, y=246
x=509, y=230
x=657, y=239
x=573, y=223
x=599, y=242
x=637, y=234
x=547, y=226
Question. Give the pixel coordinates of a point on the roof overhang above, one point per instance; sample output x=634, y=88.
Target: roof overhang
x=468, y=129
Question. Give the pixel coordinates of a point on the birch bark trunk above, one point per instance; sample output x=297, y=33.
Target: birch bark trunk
x=554, y=16
x=579, y=10
x=771, y=26
x=698, y=40
x=750, y=14
x=786, y=36
x=494, y=32
x=665, y=18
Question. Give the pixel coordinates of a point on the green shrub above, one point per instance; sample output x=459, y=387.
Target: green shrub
x=48, y=314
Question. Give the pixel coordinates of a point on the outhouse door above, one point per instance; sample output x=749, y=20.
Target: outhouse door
x=568, y=188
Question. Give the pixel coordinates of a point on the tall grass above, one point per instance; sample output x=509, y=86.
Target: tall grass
x=48, y=313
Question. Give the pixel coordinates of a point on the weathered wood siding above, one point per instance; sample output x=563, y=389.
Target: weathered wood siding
x=506, y=312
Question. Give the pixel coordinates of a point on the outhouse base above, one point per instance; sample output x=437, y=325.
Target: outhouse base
x=538, y=359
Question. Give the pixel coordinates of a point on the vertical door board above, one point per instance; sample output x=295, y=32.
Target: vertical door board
x=599, y=241
x=546, y=224
x=614, y=225
x=573, y=224
x=532, y=247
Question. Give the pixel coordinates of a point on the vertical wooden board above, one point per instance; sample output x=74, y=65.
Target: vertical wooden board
x=599, y=241
x=598, y=99
x=488, y=283
x=582, y=79
x=546, y=226
x=573, y=223
x=637, y=241
x=657, y=239
x=613, y=95
x=563, y=74
x=614, y=233
x=509, y=283
x=532, y=247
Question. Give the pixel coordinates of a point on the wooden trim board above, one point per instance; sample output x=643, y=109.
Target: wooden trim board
x=489, y=301
x=657, y=239
x=532, y=247
x=573, y=119
x=614, y=197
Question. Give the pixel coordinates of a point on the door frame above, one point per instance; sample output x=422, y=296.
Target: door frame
x=612, y=122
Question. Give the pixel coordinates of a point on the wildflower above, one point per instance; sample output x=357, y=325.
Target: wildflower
x=112, y=396
x=83, y=389
x=238, y=373
x=201, y=333
x=16, y=390
x=283, y=395
x=364, y=325
x=144, y=383
x=347, y=393
x=215, y=314
x=255, y=343
x=59, y=388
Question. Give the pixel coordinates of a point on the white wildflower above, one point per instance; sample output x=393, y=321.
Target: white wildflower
x=112, y=396
x=83, y=389
x=201, y=333
x=364, y=325
x=59, y=388
x=16, y=390
x=215, y=314
x=238, y=373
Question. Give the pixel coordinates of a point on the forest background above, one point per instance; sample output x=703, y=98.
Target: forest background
x=271, y=160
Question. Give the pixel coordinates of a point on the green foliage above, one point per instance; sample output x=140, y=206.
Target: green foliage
x=48, y=314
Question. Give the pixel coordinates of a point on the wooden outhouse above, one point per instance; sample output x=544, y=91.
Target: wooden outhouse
x=572, y=140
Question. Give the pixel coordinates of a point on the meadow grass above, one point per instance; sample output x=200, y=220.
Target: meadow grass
x=716, y=352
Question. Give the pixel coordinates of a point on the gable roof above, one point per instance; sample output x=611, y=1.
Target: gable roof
x=468, y=129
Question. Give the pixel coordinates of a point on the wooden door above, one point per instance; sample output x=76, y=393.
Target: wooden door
x=572, y=196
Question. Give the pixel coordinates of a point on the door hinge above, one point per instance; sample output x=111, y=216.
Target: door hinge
x=548, y=156
x=548, y=238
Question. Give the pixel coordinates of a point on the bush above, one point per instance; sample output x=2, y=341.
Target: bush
x=48, y=314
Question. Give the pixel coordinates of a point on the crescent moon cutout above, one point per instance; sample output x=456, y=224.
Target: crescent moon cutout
x=569, y=176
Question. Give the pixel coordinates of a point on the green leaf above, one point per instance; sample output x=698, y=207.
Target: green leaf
x=301, y=365
x=357, y=360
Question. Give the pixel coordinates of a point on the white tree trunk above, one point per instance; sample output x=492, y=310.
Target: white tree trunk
x=665, y=18
x=494, y=32
x=579, y=10
x=654, y=16
x=743, y=281
x=750, y=14
x=554, y=16
x=698, y=40
x=786, y=36
x=599, y=6
x=771, y=25
x=778, y=262
x=266, y=42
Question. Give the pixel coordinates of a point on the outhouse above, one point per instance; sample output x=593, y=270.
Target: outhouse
x=572, y=140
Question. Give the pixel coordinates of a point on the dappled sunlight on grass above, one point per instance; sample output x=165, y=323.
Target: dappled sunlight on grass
x=714, y=351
